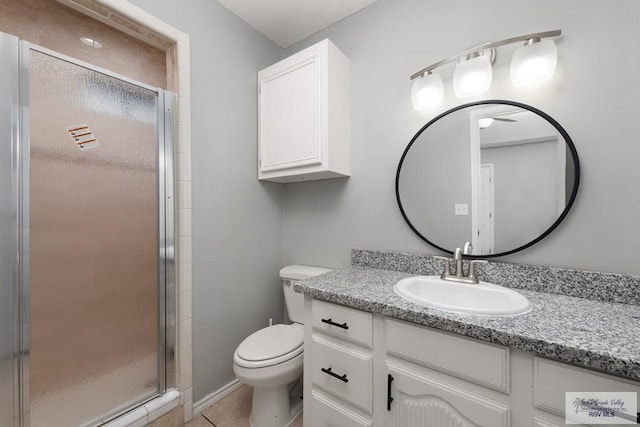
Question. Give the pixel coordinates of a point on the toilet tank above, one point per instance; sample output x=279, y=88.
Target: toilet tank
x=293, y=300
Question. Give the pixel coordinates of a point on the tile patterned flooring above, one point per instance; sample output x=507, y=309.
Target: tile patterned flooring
x=232, y=411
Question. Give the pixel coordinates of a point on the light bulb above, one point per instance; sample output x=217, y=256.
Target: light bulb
x=472, y=77
x=534, y=63
x=427, y=91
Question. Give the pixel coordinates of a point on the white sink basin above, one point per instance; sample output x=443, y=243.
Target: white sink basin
x=483, y=298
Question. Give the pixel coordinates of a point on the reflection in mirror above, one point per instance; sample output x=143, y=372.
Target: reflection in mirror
x=498, y=174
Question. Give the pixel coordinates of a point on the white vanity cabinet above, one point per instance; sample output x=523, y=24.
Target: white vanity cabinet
x=338, y=366
x=304, y=116
x=405, y=375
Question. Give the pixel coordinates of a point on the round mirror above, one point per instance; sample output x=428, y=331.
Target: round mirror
x=498, y=174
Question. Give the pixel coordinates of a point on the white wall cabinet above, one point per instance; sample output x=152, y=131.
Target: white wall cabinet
x=304, y=118
x=405, y=375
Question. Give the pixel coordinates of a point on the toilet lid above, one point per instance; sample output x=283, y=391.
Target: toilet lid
x=271, y=342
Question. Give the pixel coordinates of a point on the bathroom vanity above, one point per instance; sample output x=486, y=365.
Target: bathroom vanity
x=375, y=359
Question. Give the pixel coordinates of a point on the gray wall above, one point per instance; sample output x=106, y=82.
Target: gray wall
x=237, y=220
x=594, y=95
x=428, y=195
x=525, y=191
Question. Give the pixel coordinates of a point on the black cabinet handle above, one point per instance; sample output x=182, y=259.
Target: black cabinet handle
x=342, y=378
x=389, y=398
x=330, y=322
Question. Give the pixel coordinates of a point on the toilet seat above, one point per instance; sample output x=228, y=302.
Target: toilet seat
x=270, y=346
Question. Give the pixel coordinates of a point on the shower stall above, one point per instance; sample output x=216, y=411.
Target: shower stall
x=87, y=292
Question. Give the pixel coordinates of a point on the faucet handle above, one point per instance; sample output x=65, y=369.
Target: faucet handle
x=472, y=272
x=447, y=268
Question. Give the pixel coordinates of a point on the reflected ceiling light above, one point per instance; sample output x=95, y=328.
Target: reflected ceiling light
x=532, y=63
x=535, y=62
x=427, y=91
x=472, y=76
x=91, y=42
x=485, y=122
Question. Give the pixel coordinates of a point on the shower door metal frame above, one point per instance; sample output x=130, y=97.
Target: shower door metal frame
x=167, y=318
x=9, y=225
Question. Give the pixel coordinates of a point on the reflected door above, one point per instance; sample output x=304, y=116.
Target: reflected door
x=94, y=335
x=485, y=230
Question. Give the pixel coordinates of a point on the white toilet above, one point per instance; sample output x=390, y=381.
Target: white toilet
x=270, y=360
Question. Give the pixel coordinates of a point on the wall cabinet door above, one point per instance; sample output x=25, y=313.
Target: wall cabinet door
x=304, y=116
x=422, y=400
x=291, y=102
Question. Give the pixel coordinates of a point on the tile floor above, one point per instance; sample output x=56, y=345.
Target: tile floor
x=232, y=411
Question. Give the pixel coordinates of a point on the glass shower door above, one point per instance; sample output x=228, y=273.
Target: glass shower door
x=94, y=269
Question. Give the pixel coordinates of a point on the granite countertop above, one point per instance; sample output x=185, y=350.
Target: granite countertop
x=603, y=336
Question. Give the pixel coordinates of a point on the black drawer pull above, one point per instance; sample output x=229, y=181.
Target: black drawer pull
x=330, y=322
x=342, y=378
x=389, y=398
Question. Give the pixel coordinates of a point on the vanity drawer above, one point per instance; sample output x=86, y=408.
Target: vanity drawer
x=551, y=380
x=342, y=322
x=474, y=361
x=343, y=371
x=327, y=413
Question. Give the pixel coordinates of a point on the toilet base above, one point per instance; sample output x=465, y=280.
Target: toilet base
x=274, y=407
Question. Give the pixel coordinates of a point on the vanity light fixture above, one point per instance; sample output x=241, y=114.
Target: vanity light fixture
x=534, y=62
x=472, y=76
x=427, y=92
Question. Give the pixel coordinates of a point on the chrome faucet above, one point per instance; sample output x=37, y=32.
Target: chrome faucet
x=459, y=274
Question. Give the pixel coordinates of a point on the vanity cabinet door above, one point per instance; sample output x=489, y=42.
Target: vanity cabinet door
x=552, y=380
x=420, y=400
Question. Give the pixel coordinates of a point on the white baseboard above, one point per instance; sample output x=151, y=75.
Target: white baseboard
x=212, y=398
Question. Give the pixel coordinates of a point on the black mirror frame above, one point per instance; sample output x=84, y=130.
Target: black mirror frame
x=559, y=128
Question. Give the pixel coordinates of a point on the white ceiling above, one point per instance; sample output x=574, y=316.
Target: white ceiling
x=287, y=22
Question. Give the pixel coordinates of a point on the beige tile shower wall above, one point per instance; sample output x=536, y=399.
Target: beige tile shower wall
x=50, y=24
